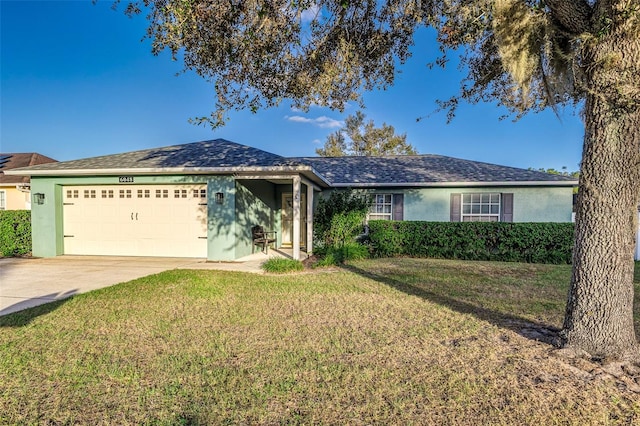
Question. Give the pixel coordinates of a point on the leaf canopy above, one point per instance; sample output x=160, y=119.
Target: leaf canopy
x=526, y=54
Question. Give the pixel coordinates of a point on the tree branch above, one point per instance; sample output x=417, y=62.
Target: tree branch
x=574, y=15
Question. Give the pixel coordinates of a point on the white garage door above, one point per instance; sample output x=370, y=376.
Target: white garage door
x=135, y=220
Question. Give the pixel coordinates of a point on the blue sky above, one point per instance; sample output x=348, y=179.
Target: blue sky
x=77, y=81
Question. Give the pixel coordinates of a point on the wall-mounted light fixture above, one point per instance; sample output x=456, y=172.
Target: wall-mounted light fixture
x=38, y=198
x=219, y=198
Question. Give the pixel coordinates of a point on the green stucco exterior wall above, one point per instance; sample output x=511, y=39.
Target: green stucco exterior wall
x=46, y=219
x=530, y=204
x=222, y=224
x=47, y=235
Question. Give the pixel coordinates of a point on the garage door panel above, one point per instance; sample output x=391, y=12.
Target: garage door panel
x=136, y=220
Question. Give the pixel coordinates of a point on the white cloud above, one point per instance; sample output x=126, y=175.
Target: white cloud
x=323, y=121
x=316, y=142
x=308, y=14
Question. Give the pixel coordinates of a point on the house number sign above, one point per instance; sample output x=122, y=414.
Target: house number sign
x=125, y=179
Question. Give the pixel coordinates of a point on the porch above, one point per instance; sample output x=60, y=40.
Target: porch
x=280, y=203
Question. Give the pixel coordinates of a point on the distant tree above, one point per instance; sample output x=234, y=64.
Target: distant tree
x=563, y=172
x=364, y=139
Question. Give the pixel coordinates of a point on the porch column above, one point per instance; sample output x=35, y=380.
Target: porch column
x=296, y=218
x=309, y=220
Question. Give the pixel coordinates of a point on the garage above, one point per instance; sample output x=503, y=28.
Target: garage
x=135, y=220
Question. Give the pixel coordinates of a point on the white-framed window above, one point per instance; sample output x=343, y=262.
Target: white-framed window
x=482, y=207
x=381, y=207
x=3, y=200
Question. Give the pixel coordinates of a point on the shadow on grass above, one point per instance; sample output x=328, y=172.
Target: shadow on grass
x=26, y=316
x=525, y=327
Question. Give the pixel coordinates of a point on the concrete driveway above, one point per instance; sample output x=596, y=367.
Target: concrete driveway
x=25, y=283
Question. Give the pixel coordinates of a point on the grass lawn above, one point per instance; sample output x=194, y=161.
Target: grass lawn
x=401, y=341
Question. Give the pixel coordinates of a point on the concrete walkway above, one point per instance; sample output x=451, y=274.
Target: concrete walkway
x=25, y=283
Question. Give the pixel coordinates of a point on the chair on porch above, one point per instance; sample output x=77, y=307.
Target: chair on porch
x=262, y=238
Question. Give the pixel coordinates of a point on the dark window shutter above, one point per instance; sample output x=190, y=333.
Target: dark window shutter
x=507, y=207
x=398, y=206
x=455, y=215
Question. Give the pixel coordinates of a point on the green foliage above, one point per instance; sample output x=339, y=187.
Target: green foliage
x=343, y=228
x=344, y=253
x=496, y=241
x=281, y=265
x=563, y=172
x=339, y=218
x=364, y=139
x=15, y=232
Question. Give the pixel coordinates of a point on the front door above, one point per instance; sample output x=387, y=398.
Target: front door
x=287, y=220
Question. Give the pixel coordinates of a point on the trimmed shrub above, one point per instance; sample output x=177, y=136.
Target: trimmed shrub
x=339, y=218
x=15, y=232
x=343, y=229
x=281, y=265
x=495, y=241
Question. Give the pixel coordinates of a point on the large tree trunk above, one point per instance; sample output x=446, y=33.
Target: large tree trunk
x=599, y=315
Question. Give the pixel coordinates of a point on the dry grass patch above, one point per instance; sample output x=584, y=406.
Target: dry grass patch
x=382, y=343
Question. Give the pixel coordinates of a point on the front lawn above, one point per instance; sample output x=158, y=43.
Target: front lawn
x=400, y=341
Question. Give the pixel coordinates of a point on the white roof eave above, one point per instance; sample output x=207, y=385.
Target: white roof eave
x=172, y=171
x=570, y=183
x=158, y=171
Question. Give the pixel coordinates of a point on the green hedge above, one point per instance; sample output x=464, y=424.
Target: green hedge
x=496, y=241
x=15, y=232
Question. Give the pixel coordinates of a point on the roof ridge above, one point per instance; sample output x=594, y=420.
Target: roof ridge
x=138, y=151
x=375, y=156
x=33, y=158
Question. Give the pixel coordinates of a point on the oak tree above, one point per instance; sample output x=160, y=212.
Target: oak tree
x=361, y=138
x=527, y=55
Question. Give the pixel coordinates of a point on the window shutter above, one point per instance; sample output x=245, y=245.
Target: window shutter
x=398, y=206
x=507, y=208
x=455, y=215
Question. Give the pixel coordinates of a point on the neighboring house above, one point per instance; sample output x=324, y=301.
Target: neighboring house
x=201, y=199
x=14, y=190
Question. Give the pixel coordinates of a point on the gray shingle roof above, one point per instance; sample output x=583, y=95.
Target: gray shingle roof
x=413, y=170
x=420, y=169
x=218, y=153
x=15, y=160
